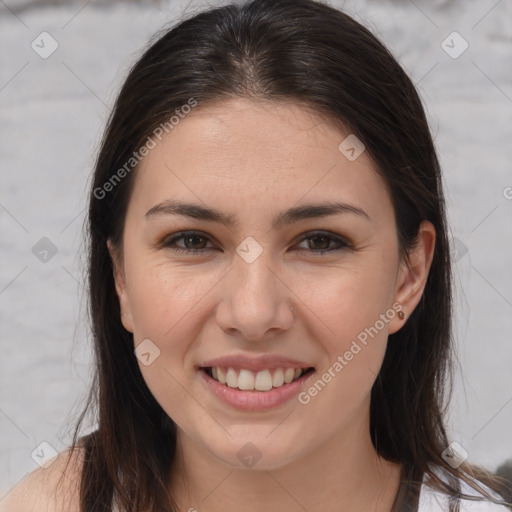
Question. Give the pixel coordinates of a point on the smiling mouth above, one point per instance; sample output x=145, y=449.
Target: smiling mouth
x=248, y=380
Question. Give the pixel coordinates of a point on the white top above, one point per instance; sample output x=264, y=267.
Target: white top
x=434, y=501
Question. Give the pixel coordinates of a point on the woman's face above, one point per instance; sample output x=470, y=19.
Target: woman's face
x=258, y=287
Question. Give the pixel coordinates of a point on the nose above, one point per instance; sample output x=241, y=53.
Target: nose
x=255, y=301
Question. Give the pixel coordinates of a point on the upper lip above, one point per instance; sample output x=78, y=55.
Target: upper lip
x=256, y=364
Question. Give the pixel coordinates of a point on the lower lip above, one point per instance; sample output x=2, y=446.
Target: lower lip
x=255, y=400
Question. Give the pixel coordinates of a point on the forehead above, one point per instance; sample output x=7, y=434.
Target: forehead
x=241, y=134
x=239, y=150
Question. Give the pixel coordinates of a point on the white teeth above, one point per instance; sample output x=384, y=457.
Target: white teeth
x=221, y=376
x=278, y=378
x=232, y=378
x=263, y=380
x=288, y=375
x=246, y=380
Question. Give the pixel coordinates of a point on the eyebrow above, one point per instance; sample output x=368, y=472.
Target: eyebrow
x=290, y=216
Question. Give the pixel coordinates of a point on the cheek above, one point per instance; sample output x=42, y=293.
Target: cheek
x=353, y=310
x=348, y=302
x=352, y=329
x=166, y=303
x=164, y=298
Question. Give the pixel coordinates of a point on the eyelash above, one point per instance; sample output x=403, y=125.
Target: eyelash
x=343, y=244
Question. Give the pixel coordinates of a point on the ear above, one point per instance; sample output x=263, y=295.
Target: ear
x=120, y=283
x=413, y=274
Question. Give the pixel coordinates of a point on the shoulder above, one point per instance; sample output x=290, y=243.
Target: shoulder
x=54, y=488
x=434, y=501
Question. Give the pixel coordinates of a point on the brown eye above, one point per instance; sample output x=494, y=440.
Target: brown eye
x=194, y=243
x=321, y=242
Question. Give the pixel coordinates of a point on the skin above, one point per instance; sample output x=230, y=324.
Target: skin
x=253, y=160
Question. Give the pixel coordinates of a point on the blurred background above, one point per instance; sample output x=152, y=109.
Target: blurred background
x=61, y=65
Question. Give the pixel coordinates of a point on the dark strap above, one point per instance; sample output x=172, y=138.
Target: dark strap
x=408, y=496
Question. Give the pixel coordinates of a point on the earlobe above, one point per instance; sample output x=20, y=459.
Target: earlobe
x=413, y=275
x=120, y=285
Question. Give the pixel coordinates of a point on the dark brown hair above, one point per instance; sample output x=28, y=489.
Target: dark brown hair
x=276, y=50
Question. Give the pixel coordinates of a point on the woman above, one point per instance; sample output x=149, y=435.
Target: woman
x=269, y=281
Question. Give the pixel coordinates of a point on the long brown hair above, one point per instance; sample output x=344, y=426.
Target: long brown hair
x=281, y=50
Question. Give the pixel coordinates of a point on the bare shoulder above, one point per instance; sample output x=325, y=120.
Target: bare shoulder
x=51, y=489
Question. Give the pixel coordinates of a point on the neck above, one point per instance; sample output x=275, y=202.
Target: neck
x=343, y=474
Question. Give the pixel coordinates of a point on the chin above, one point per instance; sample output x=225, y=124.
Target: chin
x=259, y=453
